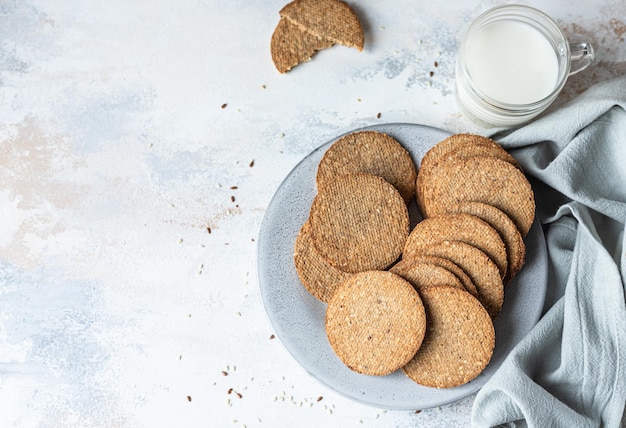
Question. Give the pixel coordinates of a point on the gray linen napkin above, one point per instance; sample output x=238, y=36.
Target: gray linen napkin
x=570, y=371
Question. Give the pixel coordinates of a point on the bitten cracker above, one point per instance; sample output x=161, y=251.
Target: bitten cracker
x=290, y=45
x=329, y=19
x=459, y=341
x=375, y=322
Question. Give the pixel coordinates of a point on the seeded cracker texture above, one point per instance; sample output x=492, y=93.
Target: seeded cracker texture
x=318, y=276
x=290, y=45
x=482, y=179
x=465, y=280
x=422, y=274
x=459, y=340
x=372, y=153
x=458, y=227
x=329, y=19
x=359, y=222
x=375, y=322
x=512, y=238
x=458, y=146
x=479, y=267
x=307, y=26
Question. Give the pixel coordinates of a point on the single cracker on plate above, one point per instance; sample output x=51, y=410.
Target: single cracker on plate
x=459, y=340
x=375, y=322
x=290, y=45
x=423, y=274
x=512, y=238
x=479, y=267
x=328, y=19
x=359, y=222
x=319, y=277
x=482, y=179
x=373, y=153
x=458, y=227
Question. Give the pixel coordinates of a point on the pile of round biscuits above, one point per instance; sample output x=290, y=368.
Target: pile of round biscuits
x=420, y=300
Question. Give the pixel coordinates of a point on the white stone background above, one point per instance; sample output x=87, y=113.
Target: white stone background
x=124, y=126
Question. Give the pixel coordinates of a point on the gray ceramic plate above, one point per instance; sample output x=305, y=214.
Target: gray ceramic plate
x=298, y=318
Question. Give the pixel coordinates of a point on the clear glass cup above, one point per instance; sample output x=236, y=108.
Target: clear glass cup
x=518, y=34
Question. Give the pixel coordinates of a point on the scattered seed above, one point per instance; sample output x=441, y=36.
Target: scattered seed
x=378, y=116
x=320, y=398
x=272, y=337
x=208, y=229
x=230, y=391
x=251, y=163
x=263, y=86
x=432, y=73
x=232, y=199
x=224, y=105
x=418, y=412
x=233, y=187
x=224, y=373
x=238, y=395
x=436, y=64
x=189, y=398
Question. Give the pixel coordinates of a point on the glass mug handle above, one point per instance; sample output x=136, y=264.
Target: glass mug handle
x=582, y=55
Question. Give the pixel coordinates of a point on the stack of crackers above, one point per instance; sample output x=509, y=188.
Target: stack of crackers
x=420, y=300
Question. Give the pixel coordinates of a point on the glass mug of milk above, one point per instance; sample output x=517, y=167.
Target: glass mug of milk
x=512, y=63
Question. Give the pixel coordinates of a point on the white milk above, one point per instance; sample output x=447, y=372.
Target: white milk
x=512, y=62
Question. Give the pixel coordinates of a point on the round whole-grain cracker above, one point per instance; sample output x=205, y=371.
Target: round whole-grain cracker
x=423, y=274
x=359, y=222
x=479, y=267
x=373, y=153
x=375, y=322
x=319, y=277
x=459, y=340
x=512, y=238
x=458, y=146
x=447, y=264
x=481, y=179
x=458, y=227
